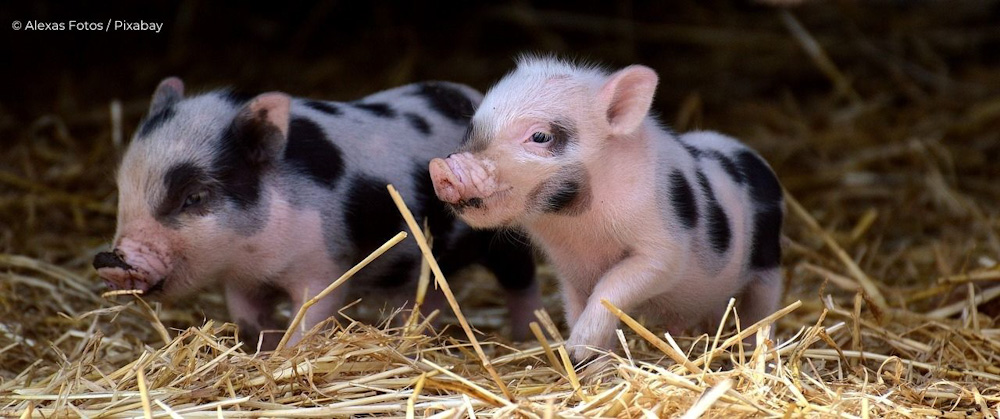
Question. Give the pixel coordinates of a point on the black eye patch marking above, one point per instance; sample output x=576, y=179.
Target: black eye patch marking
x=563, y=133
x=682, y=199
x=447, y=101
x=567, y=192
x=325, y=107
x=418, y=123
x=180, y=181
x=156, y=120
x=309, y=152
x=719, y=233
x=381, y=110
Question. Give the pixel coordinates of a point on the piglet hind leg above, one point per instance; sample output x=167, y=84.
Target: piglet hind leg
x=628, y=284
x=759, y=299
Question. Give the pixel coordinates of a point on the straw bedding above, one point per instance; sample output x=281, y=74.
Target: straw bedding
x=891, y=268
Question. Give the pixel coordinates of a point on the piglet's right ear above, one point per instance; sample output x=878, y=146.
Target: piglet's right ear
x=263, y=124
x=627, y=96
x=168, y=92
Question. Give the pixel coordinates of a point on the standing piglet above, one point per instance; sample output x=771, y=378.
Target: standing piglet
x=625, y=210
x=277, y=196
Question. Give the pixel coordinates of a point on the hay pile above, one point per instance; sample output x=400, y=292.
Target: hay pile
x=891, y=251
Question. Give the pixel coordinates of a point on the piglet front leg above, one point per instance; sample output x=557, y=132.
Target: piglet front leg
x=301, y=292
x=251, y=308
x=626, y=285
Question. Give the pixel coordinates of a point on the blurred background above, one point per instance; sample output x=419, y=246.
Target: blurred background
x=881, y=117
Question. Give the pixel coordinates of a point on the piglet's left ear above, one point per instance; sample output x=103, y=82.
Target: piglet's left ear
x=627, y=96
x=272, y=108
x=263, y=125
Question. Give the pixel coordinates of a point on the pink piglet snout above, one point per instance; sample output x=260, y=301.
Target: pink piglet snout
x=447, y=181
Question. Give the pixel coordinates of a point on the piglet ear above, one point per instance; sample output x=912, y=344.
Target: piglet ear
x=263, y=125
x=168, y=92
x=627, y=96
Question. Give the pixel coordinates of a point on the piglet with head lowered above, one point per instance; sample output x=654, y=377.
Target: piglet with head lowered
x=670, y=225
x=275, y=197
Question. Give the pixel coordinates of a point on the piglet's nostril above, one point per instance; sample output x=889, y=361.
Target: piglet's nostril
x=109, y=260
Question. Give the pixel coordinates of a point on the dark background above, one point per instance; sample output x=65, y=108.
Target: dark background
x=728, y=52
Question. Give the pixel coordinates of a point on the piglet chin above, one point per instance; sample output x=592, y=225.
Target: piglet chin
x=129, y=279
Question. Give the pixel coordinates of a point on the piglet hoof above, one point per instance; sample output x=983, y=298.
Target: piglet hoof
x=582, y=355
x=582, y=360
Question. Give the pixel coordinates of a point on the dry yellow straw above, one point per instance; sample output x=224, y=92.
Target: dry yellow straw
x=571, y=374
x=537, y=331
x=439, y=278
x=866, y=283
x=347, y=275
x=708, y=399
x=412, y=400
x=147, y=408
x=651, y=338
x=745, y=333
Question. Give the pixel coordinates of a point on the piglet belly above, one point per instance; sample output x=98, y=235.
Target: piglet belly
x=695, y=299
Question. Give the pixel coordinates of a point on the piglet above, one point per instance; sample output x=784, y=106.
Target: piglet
x=275, y=197
x=625, y=210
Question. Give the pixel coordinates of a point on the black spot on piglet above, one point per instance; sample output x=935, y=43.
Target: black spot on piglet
x=370, y=214
x=156, y=120
x=682, y=199
x=563, y=196
x=324, y=107
x=242, y=155
x=309, y=152
x=418, y=123
x=765, y=249
x=719, y=234
x=381, y=110
x=764, y=186
x=447, y=100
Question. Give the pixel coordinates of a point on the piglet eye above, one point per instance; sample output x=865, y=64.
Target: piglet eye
x=195, y=199
x=541, y=137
